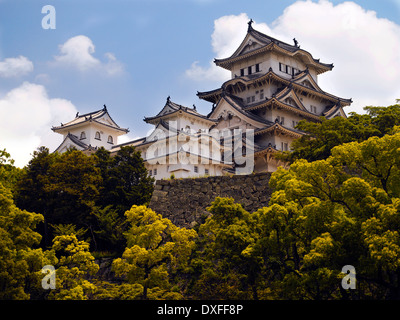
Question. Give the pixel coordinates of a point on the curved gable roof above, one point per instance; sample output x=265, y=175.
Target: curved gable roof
x=100, y=116
x=269, y=43
x=297, y=82
x=238, y=106
x=74, y=141
x=171, y=108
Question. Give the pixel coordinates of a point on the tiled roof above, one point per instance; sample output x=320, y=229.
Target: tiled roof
x=215, y=95
x=174, y=107
x=237, y=104
x=266, y=41
x=91, y=116
x=74, y=139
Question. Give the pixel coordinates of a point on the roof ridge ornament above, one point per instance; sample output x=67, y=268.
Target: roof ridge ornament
x=296, y=43
x=250, y=25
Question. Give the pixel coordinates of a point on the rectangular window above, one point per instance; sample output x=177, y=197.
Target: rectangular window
x=261, y=94
x=287, y=69
x=249, y=70
x=241, y=72
x=257, y=67
x=253, y=98
x=248, y=99
x=284, y=146
x=206, y=171
x=281, y=120
x=151, y=172
x=295, y=123
x=155, y=172
x=196, y=169
x=313, y=109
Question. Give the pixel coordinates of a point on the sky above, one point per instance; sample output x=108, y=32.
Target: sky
x=131, y=55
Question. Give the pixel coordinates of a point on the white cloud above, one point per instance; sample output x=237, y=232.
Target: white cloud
x=77, y=52
x=113, y=66
x=210, y=74
x=229, y=32
x=15, y=67
x=365, y=49
x=28, y=115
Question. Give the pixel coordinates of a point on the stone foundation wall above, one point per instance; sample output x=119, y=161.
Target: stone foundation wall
x=184, y=201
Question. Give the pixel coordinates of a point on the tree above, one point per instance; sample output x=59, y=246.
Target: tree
x=64, y=188
x=323, y=136
x=125, y=183
x=126, y=180
x=91, y=192
x=74, y=264
x=221, y=266
x=109, y=229
x=9, y=174
x=74, y=182
x=156, y=249
x=20, y=261
x=335, y=212
x=30, y=191
x=384, y=118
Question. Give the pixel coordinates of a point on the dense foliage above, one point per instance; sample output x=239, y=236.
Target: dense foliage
x=337, y=206
x=90, y=192
x=323, y=136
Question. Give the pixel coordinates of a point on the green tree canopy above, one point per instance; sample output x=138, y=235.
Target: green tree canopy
x=126, y=180
x=74, y=264
x=336, y=212
x=323, y=136
x=156, y=249
x=20, y=259
x=221, y=267
x=64, y=188
x=125, y=183
x=9, y=174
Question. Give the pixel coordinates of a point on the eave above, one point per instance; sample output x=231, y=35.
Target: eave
x=273, y=102
x=66, y=127
x=307, y=58
x=154, y=120
x=279, y=128
x=214, y=95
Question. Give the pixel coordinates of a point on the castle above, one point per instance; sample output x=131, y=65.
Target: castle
x=273, y=86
